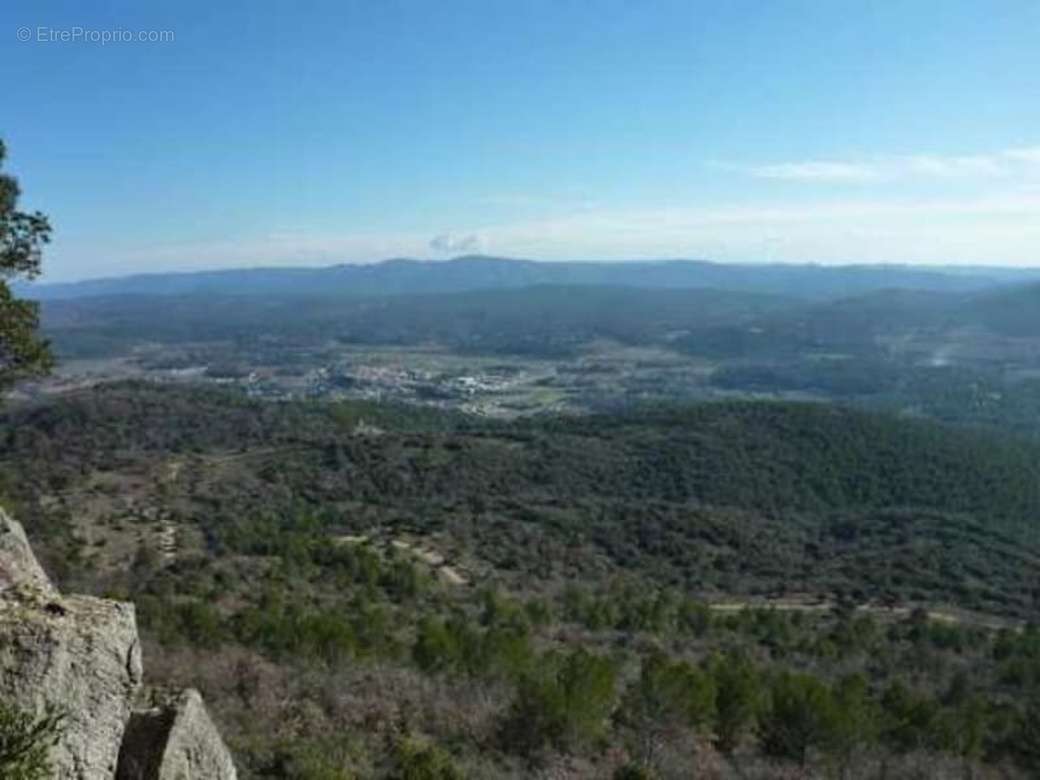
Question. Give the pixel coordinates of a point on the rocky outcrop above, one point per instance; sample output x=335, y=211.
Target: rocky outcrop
x=82, y=655
x=174, y=740
x=19, y=569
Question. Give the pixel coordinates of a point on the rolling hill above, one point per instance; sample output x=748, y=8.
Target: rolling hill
x=352, y=566
x=410, y=277
x=778, y=492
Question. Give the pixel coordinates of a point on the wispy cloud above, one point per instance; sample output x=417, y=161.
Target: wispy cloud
x=953, y=167
x=1029, y=155
x=817, y=170
x=451, y=243
x=1007, y=163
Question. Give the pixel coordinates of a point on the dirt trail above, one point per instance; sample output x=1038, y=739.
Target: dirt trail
x=447, y=573
x=941, y=615
x=167, y=541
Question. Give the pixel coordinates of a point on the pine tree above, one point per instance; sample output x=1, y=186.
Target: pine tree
x=22, y=236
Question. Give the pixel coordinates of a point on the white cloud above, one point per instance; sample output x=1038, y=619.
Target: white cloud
x=817, y=171
x=952, y=167
x=1009, y=163
x=455, y=244
x=1029, y=155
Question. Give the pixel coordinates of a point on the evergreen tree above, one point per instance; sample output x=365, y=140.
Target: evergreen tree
x=800, y=716
x=738, y=698
x=669, y=697
x=22, y=236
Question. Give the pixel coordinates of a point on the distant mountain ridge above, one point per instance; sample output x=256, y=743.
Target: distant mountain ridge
x=406, y=276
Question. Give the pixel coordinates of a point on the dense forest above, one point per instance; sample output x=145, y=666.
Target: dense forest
x=549, y=320
x=724, y=590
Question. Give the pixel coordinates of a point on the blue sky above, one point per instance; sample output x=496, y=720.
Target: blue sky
x=310, y=133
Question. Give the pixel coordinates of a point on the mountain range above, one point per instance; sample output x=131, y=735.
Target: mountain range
x=461, y=274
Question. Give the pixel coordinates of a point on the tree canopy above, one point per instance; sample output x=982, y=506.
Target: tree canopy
x=22, y=236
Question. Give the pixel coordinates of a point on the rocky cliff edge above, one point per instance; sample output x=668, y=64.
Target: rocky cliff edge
x=82, y=654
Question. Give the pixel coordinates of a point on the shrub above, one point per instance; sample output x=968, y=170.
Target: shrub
x=799, y=717
x=669, y=698
x=25, y=741
x=566, y=701
x=418, y=759
x=737, y=700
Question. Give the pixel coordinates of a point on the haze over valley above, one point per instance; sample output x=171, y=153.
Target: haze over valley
x=502, y=337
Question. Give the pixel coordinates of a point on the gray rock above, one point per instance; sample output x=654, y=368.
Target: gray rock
x=85, y=659
x=82, y=655
x=19, y=569
x=76, y=652
x=174, y=740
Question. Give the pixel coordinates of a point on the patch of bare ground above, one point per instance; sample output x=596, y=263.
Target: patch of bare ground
x=449, y=573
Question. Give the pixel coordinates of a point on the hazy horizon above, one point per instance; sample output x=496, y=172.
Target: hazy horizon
x=950, y=268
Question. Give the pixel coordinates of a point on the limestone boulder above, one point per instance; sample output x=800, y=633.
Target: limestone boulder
x=19, y=569
x=174, y=740
x=78, y=653
x=82, y=655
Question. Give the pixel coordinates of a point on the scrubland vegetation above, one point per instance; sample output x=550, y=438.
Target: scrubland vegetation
x=724, y=590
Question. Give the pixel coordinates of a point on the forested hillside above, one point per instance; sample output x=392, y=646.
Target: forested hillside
x=535, y=320
x=725, y=588
x=557, y=319
x=1014, y=311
